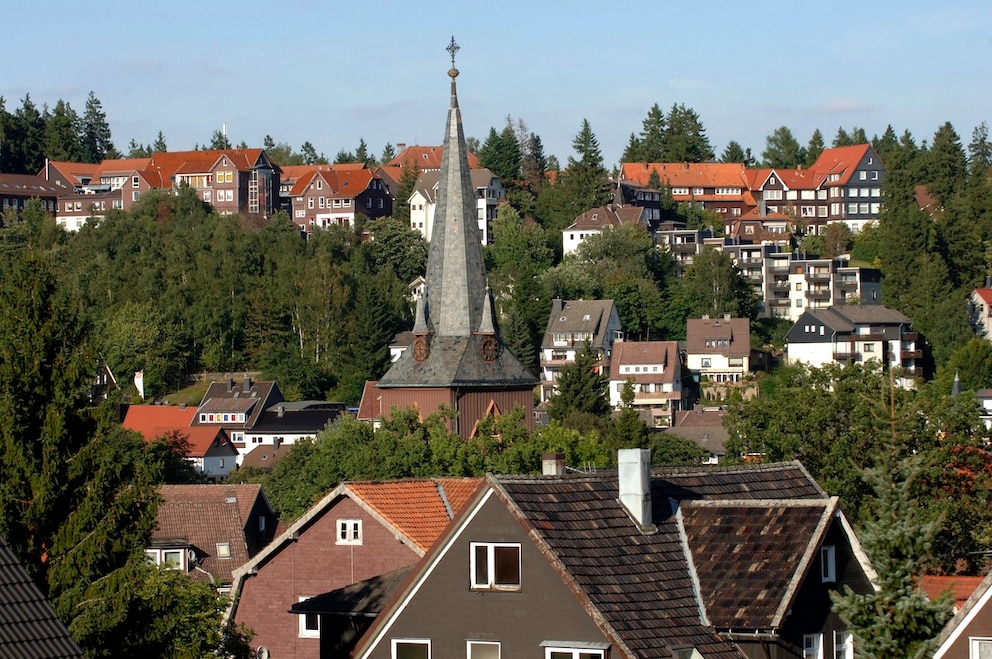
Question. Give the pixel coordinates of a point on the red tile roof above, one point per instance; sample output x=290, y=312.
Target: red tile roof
x=426, y=157
x=631, y=353
x=417, y=507
x=840, y=160
x=737, y=330
x=960, y=588
x=608, y=216
x=689, y=175
x=157, y=421
x=985, y=294
x=368, y=407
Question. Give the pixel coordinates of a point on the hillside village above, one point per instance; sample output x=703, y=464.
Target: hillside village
x=682, y=416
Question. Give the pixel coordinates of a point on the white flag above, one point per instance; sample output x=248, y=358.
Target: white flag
x=139, y=382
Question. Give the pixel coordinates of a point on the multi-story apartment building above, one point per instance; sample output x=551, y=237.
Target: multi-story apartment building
x=654, y=368
x=571, y=325
x=596, y=220
x=423, y=202
x=843, y=185
x=856, y=334
x=320, y=196
x=234, y=181
x=16, y=190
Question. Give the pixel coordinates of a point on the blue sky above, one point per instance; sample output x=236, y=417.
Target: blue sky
x=333, y=72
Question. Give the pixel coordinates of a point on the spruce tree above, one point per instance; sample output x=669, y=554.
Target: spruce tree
x=814, y=148
x=897, y=619
x=96, y=141
x=582, y=389
x=782, y=149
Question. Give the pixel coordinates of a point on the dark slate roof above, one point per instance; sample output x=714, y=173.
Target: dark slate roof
x=233, y=396
x=455, y=361
x=750, y=559
x=292, y=420
x=641, y=584
x=29, y=628
x=364, y=598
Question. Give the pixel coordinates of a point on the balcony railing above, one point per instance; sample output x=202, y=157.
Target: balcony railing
x=818, y=294
x=910, y=336
x=846, y=283
x=818, y=276
x=779, y=302
x=780, y=285
x=912, y=354
x=844, y=355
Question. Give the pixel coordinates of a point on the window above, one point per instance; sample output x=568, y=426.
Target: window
x=828, y=564
x=697, y=191
x=135, y=195
x=223, y=550
x=812, y=646
x=869, y=347
x=772, y=194
x=581, y=651
x=843, y=645
x=206, y=196
x=135, y=181
x=309, y=623
x=791, y=195
x=411, y=648
x=979, y=648
x=482, y=650
x=368, y=202
x=863, y=175
x=349, y=532
x=495, y=565
x=706, y=361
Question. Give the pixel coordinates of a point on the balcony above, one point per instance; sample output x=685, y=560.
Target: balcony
x=912, y=354
x=912, y=372
x=818, y=275
x=755, y=276
x=847, y=284
x=844, y=355
x=818, y=294
x=779, y=302
x=684, y=248
x=867, y=337
x=780, y=285
x=910, y=336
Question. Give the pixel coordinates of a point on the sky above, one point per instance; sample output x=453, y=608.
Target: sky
x=334, y=73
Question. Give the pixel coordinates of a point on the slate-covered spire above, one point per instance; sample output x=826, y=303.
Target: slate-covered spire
x=455, y=271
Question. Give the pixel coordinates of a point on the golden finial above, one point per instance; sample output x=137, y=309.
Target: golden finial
x=453, y=48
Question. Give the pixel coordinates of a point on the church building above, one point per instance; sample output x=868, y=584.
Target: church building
x=457, y=357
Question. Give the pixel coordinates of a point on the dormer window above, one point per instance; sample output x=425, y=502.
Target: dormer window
x=223, y=550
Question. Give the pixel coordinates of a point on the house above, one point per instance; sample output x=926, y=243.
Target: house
x=209, y=449
x=357, y=531
x=704, y=425
x=209, y=530
x=655, y=370
x=488, y=193
x=290, y=422
x=718, y=187
x=320, y=196
x=683, y=244
x=572, y=324
x=718, y=352
x=28, y=625
x=852, y=177
x=425, y=158
x=458, y=359
x=234, y=181
x=856, y=334
x=968, y=634
x=980, y=311
x=960, y=587
x=596, y=220
x=681, y=562
x=16, y=190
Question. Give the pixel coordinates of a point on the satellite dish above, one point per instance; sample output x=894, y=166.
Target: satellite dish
x=191, y=556
x=262, y=652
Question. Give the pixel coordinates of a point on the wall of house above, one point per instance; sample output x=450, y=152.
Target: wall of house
x=473, y=405
x=312, y=565
x=811, y=610
x=449, y=613
x=813, y=354
x=979, y=627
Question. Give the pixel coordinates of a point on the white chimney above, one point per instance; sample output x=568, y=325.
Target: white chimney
x=553, y=464
x=635, y=484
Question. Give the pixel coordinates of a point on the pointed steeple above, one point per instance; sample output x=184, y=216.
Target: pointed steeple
x=455, y=270
x=488, y=325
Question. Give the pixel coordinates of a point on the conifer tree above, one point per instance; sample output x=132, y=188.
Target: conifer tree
x=582, y=389
x=96, y=141
x=814, y=148
x=897, y=619
x=782, y=149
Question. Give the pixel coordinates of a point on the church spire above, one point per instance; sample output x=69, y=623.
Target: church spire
x=455, y=271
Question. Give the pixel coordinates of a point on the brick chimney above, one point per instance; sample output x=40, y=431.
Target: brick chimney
x=553, y=464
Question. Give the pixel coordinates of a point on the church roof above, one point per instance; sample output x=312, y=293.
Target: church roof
x=458, y=341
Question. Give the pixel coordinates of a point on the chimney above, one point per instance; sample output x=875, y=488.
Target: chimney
x=635, y=484
x=247, y=384
x=230, y=385
x=988, y=281
x=281, y=411
x=553, y=464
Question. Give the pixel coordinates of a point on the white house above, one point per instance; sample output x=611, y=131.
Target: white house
x=423, y=202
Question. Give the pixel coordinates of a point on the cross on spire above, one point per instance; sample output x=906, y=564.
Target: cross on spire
x=453, y=48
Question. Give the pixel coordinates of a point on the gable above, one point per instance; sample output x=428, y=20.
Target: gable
x=441, y=606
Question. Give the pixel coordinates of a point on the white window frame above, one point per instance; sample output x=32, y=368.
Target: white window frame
x=573, y=652
x=306, y=631
x=349, y=532
x=409, y=641
x=843, y=645
x=491, y=582
x=975, y=645
x=828, y=564
x=469, y=645
x=813, y=646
